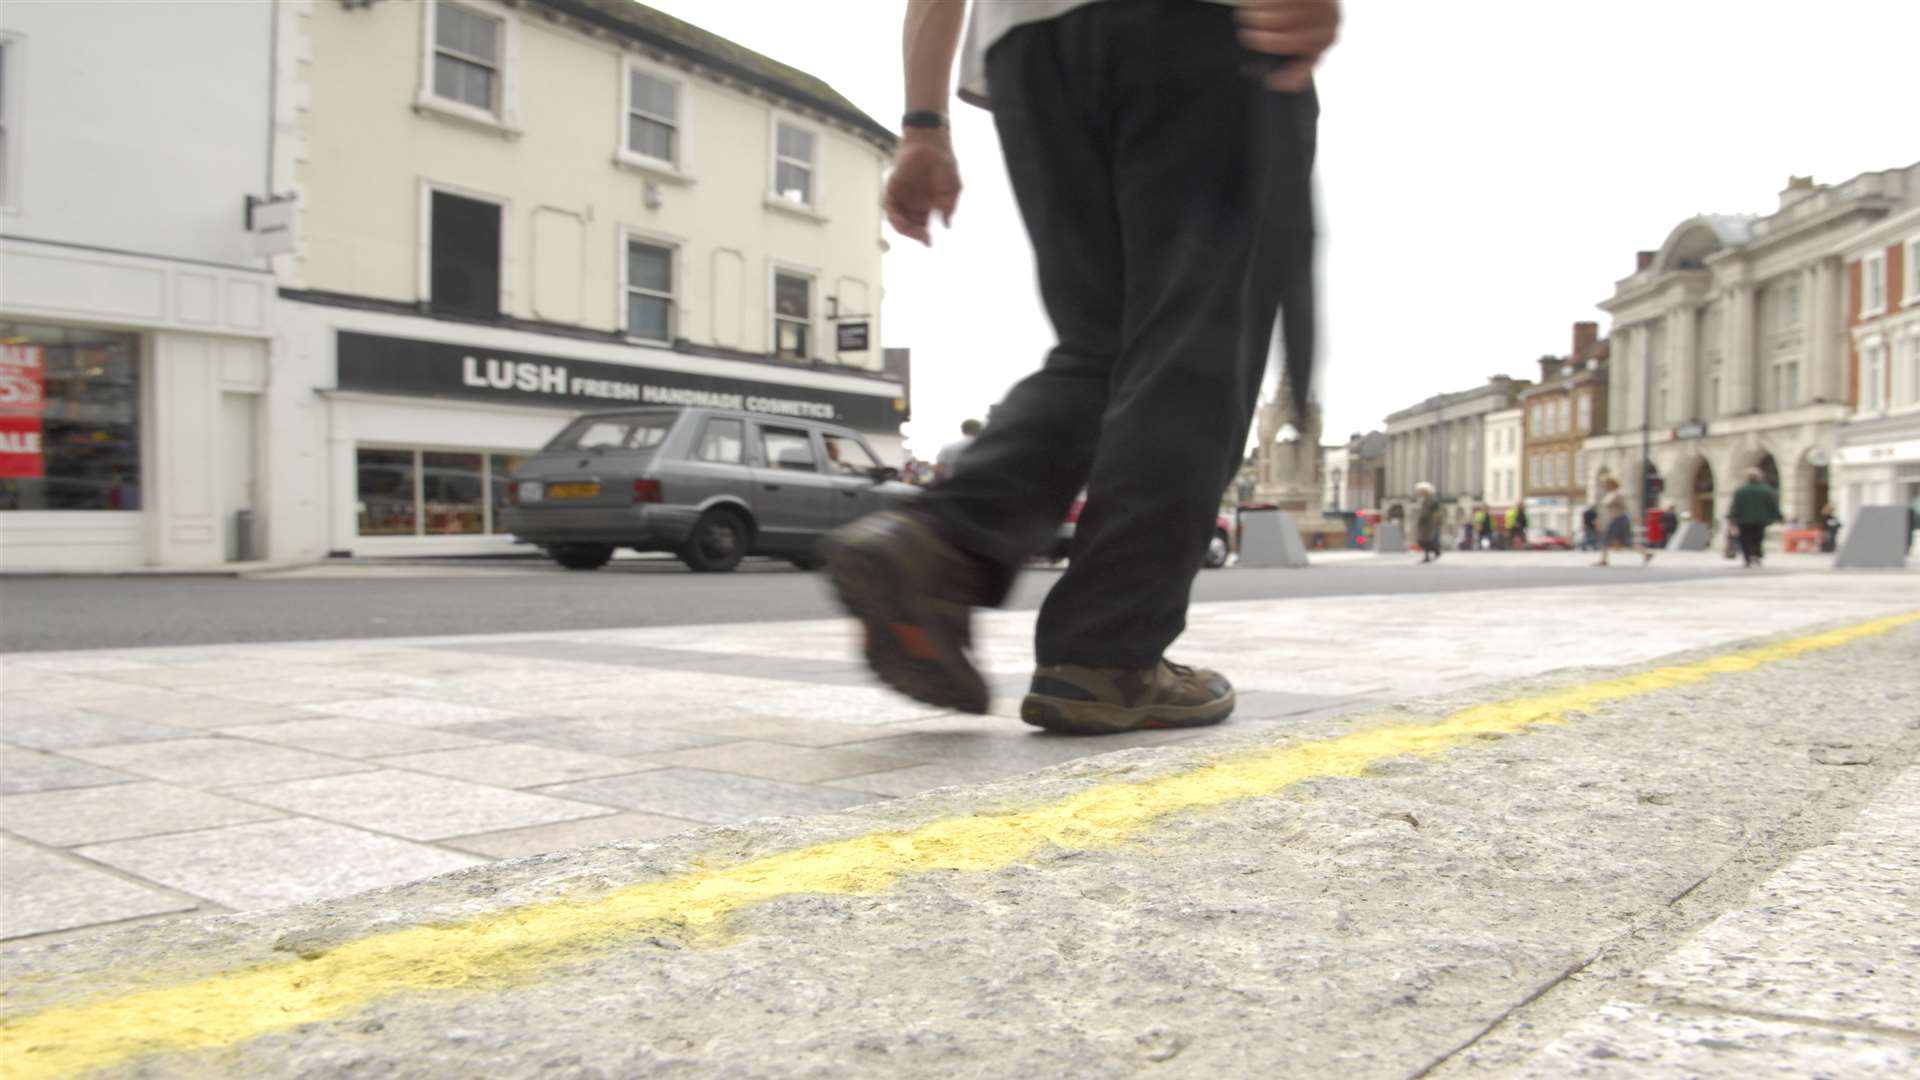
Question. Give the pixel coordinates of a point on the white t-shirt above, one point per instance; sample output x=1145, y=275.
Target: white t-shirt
x=990, y=22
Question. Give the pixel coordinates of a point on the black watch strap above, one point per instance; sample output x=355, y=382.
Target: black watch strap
x=924, y=118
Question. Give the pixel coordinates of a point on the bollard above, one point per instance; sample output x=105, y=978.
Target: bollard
x=1270, y=538
x=1390, y=538
x=1877, y=539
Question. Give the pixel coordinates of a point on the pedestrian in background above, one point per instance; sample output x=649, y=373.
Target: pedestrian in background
x=1517, y=527
x=1669, y=524
x=1619, y=534
x=1756, y=505
x=1830, y=524
x=1161, y=155
x=1589, y=528
x=1483, y=520
x=1426, y=521
x=949, y=454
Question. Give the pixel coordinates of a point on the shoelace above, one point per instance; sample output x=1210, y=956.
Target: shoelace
x=1181, y=670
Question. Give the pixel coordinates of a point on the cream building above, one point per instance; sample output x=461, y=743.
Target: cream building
x=1500, y=482
x=1877, y=462
x=513, y=211
x=1730, y=351
x=1443, y=441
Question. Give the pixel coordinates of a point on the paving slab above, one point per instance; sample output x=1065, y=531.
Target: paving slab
x=60, y=729
x=1627, y=1042
x=29, y=770
x=74, y=816
x=516, y=766
x=415, y=806
x=1360, y=895
x=775, y=761
x=48, y=892
x=211, y=762
x=568, y=835
x=353, y=738
x=412, y=711
x=275, y=863
x=614, y=736
x=700, y=795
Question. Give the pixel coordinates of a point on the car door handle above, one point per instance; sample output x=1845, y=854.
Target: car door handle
x=771, y=487
x=849, y=493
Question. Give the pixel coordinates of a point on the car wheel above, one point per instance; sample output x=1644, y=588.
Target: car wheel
x=583, y=556
x=1217, y=552
x=717, y=544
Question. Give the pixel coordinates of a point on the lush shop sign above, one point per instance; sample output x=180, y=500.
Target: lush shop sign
x=389, y=365
x=23, y=398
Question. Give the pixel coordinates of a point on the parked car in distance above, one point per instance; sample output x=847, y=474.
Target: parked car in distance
x=1218, y=548
x=1547, y=540
x=710, y=485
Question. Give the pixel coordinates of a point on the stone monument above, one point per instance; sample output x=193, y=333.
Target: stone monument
x=1289, y=457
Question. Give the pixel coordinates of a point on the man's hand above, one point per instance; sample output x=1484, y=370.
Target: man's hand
x=1297, y=29
x=925, y=179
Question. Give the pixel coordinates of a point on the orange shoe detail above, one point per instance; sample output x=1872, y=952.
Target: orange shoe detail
x=914, y=641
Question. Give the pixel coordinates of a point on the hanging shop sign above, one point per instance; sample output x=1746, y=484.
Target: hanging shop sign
x=388, y=365
x=852, y=336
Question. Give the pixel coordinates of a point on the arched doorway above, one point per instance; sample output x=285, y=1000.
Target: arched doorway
x=1702, y=508
x=1769, y=471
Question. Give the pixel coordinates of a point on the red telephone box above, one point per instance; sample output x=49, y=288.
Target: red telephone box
x=1656, y=531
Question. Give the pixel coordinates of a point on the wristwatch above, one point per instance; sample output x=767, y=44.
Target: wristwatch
x=924, y=118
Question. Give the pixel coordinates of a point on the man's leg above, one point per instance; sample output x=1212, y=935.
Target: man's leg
x=1211, y=186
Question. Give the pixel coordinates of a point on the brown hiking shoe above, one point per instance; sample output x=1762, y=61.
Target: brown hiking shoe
x=913, y=592
x=1104, y=701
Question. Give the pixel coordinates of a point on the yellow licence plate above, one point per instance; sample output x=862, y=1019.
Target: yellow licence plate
x=573, y=491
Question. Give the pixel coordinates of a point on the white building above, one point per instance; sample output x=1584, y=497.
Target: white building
x=1500, y=483
x=497, y=214
x=1730, y=348
x=1877, y=462
x=135, y=316
x=1443, y=441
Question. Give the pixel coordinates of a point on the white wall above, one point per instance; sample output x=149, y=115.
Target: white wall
x=137, y=127
x=1501, y=481
x=370, y=150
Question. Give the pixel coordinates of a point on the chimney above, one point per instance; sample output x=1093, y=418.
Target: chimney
x=1585, y=334
x=1643, y=259
x=1550, y=367
x=1798, y=187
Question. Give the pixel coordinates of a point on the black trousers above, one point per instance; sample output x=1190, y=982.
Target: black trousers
x=1750, y=540
x=1167, y=195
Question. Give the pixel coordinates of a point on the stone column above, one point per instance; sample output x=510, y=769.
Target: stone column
x=1683, y=369
x=1742, y=359
x=1826, y=363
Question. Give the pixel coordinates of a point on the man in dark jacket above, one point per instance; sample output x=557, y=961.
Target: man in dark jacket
x=1756, y=505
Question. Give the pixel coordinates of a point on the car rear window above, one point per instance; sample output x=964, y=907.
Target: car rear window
x=641, y=431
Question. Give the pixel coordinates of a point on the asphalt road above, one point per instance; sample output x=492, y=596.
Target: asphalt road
x=431, y=598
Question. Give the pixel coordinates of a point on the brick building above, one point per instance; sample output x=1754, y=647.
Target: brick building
x=1557, y=415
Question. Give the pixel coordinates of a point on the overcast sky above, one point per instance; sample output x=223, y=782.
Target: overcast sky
x=1487, y=170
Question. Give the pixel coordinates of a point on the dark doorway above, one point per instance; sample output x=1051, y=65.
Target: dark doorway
x=466, y=256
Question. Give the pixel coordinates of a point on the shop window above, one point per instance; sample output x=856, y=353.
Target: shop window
x=723, y=442
x=653, y=117
x=1873, y=284
x=387, y=492
x=793, y=164
x=452, y=493
x=787, y=448
x=792, y=316
x=69, y=419
x=466, y=57
x=465, y=245
x=500, y=483
x=847, y=457
x=649, y=291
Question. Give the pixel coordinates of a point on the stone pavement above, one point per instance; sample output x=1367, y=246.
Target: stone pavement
x=151, y=783
x=1702, y=867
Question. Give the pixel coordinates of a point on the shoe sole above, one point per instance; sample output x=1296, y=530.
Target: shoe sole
x=1095, y=718
x=907, y=645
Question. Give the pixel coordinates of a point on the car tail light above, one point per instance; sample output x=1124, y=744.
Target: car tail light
x=646, y=491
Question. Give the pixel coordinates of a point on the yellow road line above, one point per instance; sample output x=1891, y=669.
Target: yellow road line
x=509, y=947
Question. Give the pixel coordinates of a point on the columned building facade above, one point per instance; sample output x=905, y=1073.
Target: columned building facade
x=1877, y=462
x=1443, y=441
x=1729, y=351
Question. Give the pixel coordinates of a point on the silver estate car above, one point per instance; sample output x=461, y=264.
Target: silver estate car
x=710, y=485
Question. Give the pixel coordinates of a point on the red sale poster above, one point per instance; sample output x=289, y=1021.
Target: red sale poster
x=23, y=379
x=20, y=448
